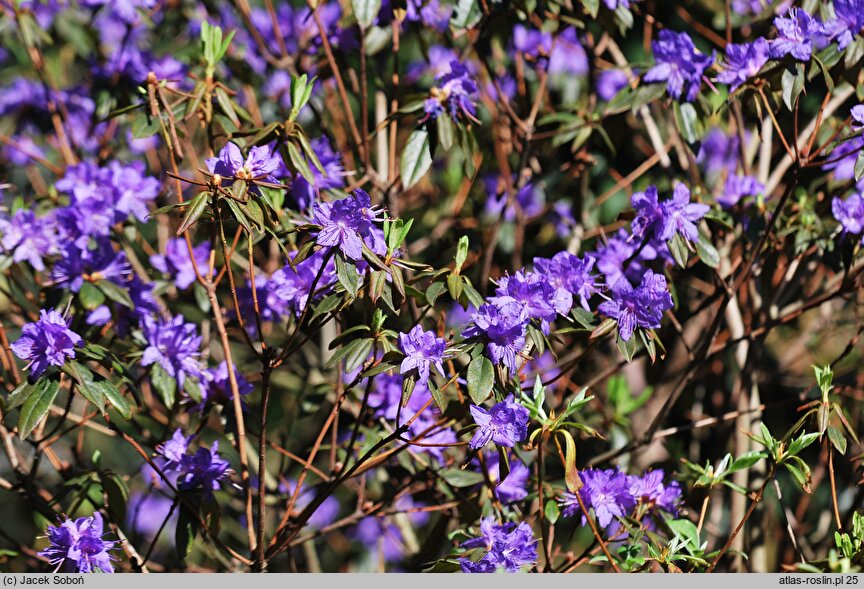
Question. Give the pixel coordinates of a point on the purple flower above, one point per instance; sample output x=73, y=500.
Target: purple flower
x=48, y=342
x=200, y=471
x=175, y=262
x=606, y=491
x=614, y=4
x=289, y=290
x=386, y=399
x=719, y=152
x=743, y=61
x=174, y=345
x=850, y=213
x=216, y=385
x=504, y=331
x=640, y=307
x=454, y=92
x=680, y=215
x=28, y=238
x=260, y=163
x=571, y=277
x=78, y=265
x=422, y=349
x=737, y=187
x=619, y=248
x=650, y=490
x=610, y=82
x=796, y=34
x=345, y=222
x=848, y=23
x=531, y=42
x=302, y=191
x=649, y=213
x=528, y=199
x=842, y=160
x=78, y=547
x=539, y=299
x=505, y=424
x=132, y=190
x=515, y=486
x=567, y=56
x=678, y=63
x=857, y=113
x=509, y=546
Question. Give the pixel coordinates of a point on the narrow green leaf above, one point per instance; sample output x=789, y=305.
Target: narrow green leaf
x=481, y=378
x=416, y=158
x=37, y=406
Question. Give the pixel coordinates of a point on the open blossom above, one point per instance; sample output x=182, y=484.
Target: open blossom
x=422, y=350
x=504, y=330
x=737, y=187
x=797, y=33
x=680, y=215
x=612, y=493
x=505, y=424
x=216, y=385
x=48, y=342
x=27, y=237
x=261, y=163
x=663, y=220
x=848, y=23
x=850, y=213
x=571, y=277
x=288, y=290
x=174, y=345
x=743, y=61
x=679, y=63
x=607, y=492
x=454, y=93
x=344, y=223
x=514, y=487
x=198, y=472
x=509, y=547
x=620, y=248
x=386, y=400
x=78, y=546
x=535, y=294
x=642, y=306
x=176, y=263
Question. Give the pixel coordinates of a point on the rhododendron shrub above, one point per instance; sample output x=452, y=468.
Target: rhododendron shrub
x=440, y=286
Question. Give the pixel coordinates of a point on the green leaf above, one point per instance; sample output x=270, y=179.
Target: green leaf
x=678, y=249
x=627, y=348
x=187, y=528
x=20, y=395
x=686, y=530
x=36, y=406
x=408, y=384
x=446, y=132
x=164, y=384
x=416, y=158
x=592, y=7
x=347, y=274
x=461, y=478
x=435, y=290
x=571, y=475
x=466, y=14
x=792, y=83
x=116, y=293
x=745, y=461
x=688, y=121
x=117, y=495
x=366, y=11
x=194, y=212
x=461, y=252
x=552, y=511
x=481, y=377
x=116, y=398
x=90, y=296
x=859, y=166
x=707, y=252
x=838, y=439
